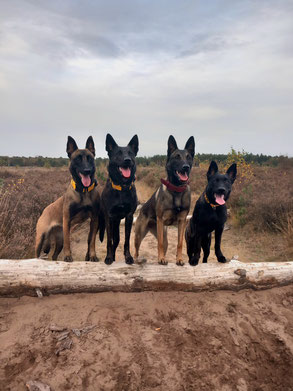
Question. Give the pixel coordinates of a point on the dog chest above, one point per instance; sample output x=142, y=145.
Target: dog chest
x=120, y=203
x=208, y=219
x=170, y=205
x=82, y=209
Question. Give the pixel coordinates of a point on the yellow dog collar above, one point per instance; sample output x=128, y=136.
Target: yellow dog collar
x=85, y=189
x=208, y=201
x=119, y=187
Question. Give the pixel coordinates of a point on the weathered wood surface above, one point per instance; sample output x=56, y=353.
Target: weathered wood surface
x=42, y=277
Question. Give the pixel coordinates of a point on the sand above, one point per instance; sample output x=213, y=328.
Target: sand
x=150, y=341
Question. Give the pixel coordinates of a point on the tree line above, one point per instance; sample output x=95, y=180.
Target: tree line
x=40, y=161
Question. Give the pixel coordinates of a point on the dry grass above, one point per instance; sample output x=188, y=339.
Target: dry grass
x=25, y=192
x=261, y=204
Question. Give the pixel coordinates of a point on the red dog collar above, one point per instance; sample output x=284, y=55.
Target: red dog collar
x=171, y=187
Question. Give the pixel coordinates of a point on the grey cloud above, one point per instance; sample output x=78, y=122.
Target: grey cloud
x=219, y=70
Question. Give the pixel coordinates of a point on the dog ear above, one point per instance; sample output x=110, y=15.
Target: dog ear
x=133, y=144
x=90, y=145
x=213, y=169
x=71, y=146
x=172, y=145
x=190, y=146
x=110, y=143
x=232, y=172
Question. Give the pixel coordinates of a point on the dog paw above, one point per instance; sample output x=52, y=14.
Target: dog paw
x=193, y=261
x=129, y=260
x=222, y=259
x=93, y=259
x=68, y=258
x=109, y=261
x=180, y=263
x=163, y=262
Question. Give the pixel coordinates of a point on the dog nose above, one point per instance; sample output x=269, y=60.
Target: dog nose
x=221, y=190
x=87, y=171
x=185, y=167
x=127, y=160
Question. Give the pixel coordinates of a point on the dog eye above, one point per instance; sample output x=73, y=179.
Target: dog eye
x=178, y=156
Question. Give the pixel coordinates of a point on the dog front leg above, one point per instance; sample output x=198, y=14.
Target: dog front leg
x=181, y=228
x=218, y=237
x=160, y=237
x=110, y=253
x=206, y=244
x=194, y=249
x=128, y=226
x=91, y=252
x=66, y=235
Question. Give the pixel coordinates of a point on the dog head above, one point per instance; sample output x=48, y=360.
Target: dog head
x=220, y=185
x=82, y=162
x=122, y=165
x=179, y=161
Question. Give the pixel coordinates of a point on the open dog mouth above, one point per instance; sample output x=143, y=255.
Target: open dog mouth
x=219, y=199
x=183, y=176
x=85, y=180
x=125, y=171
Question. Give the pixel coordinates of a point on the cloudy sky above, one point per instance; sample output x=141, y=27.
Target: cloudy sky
x=219, y=70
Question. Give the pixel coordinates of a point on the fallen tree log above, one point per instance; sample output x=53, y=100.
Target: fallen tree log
x=41, y=277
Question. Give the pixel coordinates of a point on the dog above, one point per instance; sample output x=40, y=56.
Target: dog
x=170, y=203
x=119, y=199
x=80, y=201
x=210, y=214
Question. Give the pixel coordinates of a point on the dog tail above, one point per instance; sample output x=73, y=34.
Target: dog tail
x=101, y=226
x=39, y=245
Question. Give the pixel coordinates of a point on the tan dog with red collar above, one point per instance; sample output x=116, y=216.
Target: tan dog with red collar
x=170, y=204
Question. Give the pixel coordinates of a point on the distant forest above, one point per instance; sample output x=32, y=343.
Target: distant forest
x=41, y=161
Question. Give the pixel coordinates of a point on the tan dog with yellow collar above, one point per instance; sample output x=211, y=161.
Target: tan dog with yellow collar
x=81, y=201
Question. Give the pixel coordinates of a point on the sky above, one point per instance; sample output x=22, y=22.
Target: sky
x=221, y=71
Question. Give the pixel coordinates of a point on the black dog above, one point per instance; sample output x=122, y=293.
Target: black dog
x=210, y=214
x=118, y=199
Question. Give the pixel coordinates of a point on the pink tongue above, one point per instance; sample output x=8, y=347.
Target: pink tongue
x=220, y=199
x=183, y=177
x=86, y=180
x=125, y=172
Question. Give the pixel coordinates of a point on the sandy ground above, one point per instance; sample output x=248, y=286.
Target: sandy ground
x=259, y=248
x=151, y=341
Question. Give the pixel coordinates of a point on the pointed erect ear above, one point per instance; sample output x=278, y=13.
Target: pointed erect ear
x=212, y=169
x=110, y=144
x=172, y=145
x=90, y=145
x=190, y=146
x=133, y=143
x=71, y=146
x=232, y=172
